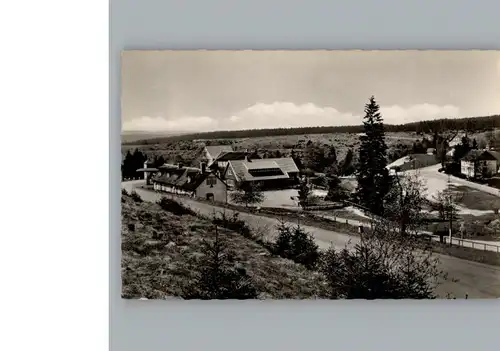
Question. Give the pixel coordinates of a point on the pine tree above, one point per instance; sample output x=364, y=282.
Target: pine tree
x=315, y=157
x=304, y=249
x=461, y=149
x=220, y=278
x=283, y=244
x=159, y=161
x=372, y=174
x=297, y=160
x=474, y=144
x=335, y=190
x=346, y=167
x=304, y=193
x=332, y=166
x=128, y=165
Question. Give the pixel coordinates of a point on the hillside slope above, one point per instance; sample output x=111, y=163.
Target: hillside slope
x=161, y=255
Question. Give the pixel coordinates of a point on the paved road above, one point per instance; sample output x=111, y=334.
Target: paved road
x=439, y=180
x=475, y=279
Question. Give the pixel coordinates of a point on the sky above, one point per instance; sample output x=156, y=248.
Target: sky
x=199, y=91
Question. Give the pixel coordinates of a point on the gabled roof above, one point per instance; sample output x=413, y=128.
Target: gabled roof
x=236, y=155
x=171, y=177
x=147, y=170
x=287, y=164
x=276, y=168
x=479, y=155
x=495, y=154
x=168, y=166
x=200, y=178
x=187, y=178
x=215, y=150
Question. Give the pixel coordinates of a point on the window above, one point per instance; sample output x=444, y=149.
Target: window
x=211, y=181
x=265, y=172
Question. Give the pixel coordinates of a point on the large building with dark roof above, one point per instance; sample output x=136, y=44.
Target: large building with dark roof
x=268, y=173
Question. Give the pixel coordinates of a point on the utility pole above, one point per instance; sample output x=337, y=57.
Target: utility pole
x=226, y=202
x=450, y=210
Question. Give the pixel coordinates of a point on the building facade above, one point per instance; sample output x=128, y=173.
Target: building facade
x=479, y=164
x=212, y=188
x=191, y=182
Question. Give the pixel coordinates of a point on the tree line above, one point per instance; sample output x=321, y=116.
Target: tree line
x=471, y=124
x=134, y=161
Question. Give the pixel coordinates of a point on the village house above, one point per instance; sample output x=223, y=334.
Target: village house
x=222, y=161
x=190, y=181
x=480, y=164
x=277, y=173
x=212, y=152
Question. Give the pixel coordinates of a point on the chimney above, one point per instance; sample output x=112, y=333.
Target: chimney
x=203, y=168
x=179, y=165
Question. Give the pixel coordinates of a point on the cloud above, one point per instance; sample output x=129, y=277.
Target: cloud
x=401, y=115
x=288, y=114
x=160, y=124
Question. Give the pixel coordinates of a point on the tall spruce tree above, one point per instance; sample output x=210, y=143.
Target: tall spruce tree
x=372, y=174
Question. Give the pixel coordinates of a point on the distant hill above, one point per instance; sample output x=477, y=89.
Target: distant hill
x=133, y=137
x=471, y=124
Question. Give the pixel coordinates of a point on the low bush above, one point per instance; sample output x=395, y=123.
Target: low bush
x=136, y=197
x=233, y=223
x=297, y=245
x=175, y=207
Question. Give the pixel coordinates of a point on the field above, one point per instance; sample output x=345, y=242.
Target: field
x=413, y=161
x=161, y=255
x=190, y=151
x=475, y=199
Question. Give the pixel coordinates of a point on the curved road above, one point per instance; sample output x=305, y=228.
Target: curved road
x=465, y=277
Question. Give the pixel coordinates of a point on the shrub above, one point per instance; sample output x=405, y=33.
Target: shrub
x=247, y=193
x=283, y=244
x=233, y=223
x=175, y=207
x=296, y=244
x=383, y=265
x=304, y=249
x=136, y=197
x=321, y=181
